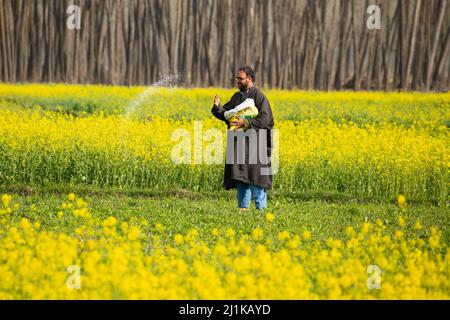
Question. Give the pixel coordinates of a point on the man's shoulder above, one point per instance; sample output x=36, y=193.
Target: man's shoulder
x=258, y=93
x=236, y=94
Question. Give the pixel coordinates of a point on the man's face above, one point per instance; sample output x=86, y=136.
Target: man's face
x=242, y=80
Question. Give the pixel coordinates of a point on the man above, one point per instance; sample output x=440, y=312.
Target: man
x=250, y=180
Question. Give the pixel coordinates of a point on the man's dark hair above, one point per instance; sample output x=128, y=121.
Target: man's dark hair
x=249, y=72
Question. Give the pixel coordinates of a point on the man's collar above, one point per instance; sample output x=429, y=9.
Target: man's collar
x=249, y=89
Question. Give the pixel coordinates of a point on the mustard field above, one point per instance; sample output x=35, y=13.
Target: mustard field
x=98, y=201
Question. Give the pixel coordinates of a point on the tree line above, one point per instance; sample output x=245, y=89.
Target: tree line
x=307, y=44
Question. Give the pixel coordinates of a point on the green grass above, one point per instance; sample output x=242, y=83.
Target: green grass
x=180, y=211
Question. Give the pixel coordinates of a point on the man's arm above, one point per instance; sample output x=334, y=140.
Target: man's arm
x=218, y=110
x=264, y=118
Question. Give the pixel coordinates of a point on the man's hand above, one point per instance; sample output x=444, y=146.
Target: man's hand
x=216, y=101
x=239, y=123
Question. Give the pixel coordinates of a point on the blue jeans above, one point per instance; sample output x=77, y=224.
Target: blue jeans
x=246, y=191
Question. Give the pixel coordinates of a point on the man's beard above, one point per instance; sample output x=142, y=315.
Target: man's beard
x=242, y=86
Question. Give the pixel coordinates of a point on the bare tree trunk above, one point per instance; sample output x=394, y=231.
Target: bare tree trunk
x=309, y=44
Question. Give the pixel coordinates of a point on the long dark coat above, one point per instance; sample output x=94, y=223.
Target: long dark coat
x=249, y=173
